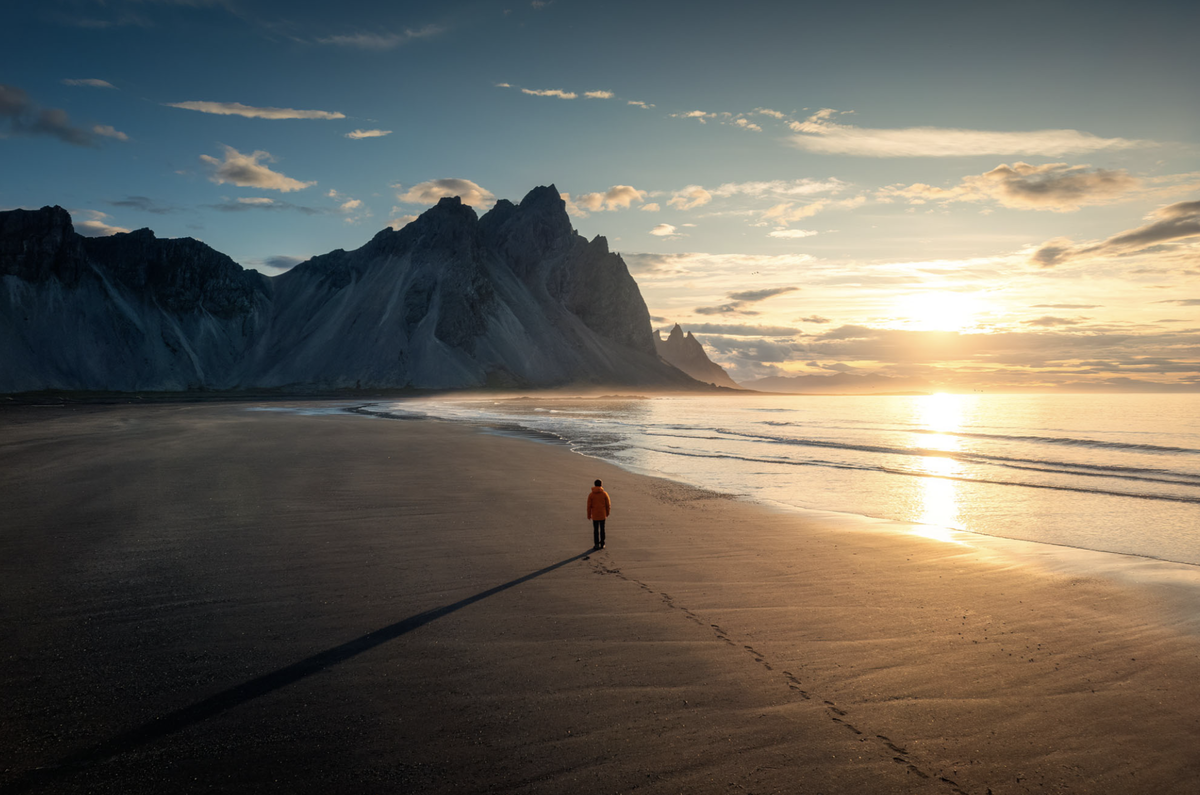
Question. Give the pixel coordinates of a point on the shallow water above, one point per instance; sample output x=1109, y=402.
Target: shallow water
x=1113, y=473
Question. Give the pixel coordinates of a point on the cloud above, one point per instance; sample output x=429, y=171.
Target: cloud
x=1053, y=186
x=436, y=189
x=550, y=92
x=238, y=109
x=689, y=198
x=1048, y=321
x=90, y=82
x=282, y=262
x=1173, y=222
x=779, y=188
x=245, y=171
x=820, y=134
x=746, y=124
x=618, y=197
x=143, y=203
x=817, y=319
x=359, y=134
x=664, y=230
x=640, y=104
x=699, y=115
x=245, y=204
x=381, y=41
x=1069, y=306
x=400, y=222
x=95, y=225
x=761, y=295
x=19, y=115
x=109, y=131
x=768, y=112
x=1181, y=301
x=652, y=207
x=732, y=266
x=740, y=300
x=742, y=330
x=792, y=233
x=598, y=94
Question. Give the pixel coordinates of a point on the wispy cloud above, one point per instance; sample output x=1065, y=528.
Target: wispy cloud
x=618, y=197
x=142, y=203
x=20, y=115
x=549, y=92
x=740, y=330
x=664, y=230
x=1167, y=224
x=359, y=134
x=400, y=222
x=786, y=213
x=108, y=131
x=792, y=233
x=739, y=301
x=699, y=115
x=1049, y=321
x=95, y=225
x=238, y=109
x=640, y=104
x=436, y=189
x=598, y=94
x=689, y=198
x=90, y=82
x=246, y=171
x=382, y=41
x=780, y=188
x=820, y=134
x=246, y=204
x=1054, y=186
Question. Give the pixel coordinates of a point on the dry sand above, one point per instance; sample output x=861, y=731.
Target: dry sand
x=200, y=598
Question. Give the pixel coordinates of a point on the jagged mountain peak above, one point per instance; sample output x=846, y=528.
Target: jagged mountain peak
x=685, y=352
x=515, y=297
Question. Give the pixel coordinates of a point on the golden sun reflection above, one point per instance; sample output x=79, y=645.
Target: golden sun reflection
x=941, y=415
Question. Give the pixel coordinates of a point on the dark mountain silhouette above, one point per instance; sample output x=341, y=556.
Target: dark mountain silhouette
x=685, y=352
x=515, y=298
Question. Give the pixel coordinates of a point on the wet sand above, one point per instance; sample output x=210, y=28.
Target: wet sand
x=201, y=598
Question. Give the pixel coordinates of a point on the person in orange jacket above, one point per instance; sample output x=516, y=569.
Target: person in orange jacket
x=599, y=506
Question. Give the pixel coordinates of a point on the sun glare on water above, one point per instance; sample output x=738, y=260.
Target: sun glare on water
x=942, y=414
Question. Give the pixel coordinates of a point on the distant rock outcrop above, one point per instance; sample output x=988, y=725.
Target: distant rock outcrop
x=839, y=383
x=685, y=352
x=515, y=298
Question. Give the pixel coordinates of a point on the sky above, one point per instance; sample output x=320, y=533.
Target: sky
x=999, y=196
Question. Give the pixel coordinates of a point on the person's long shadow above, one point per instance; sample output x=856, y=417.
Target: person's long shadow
x=240, y=694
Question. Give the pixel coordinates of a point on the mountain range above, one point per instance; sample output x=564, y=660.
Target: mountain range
x=515, y=298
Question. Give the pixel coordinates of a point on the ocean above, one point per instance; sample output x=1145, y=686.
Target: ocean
x=1111, y=473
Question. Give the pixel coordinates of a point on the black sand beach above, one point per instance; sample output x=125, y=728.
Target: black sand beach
x=202, y=598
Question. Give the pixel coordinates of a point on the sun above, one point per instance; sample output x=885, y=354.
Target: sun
x=938, y=311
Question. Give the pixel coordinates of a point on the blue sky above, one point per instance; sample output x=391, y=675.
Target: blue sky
x=984, y=196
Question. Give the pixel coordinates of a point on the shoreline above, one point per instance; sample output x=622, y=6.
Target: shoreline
x=1176, y=581
x=199, y=597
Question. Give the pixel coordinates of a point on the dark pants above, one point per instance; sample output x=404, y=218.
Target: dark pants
x=598, y=532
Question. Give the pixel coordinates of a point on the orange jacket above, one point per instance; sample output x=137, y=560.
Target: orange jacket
x=599, y=505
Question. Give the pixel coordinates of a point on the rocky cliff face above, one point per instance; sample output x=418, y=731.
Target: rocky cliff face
x=514, y=298
x=686, y=353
